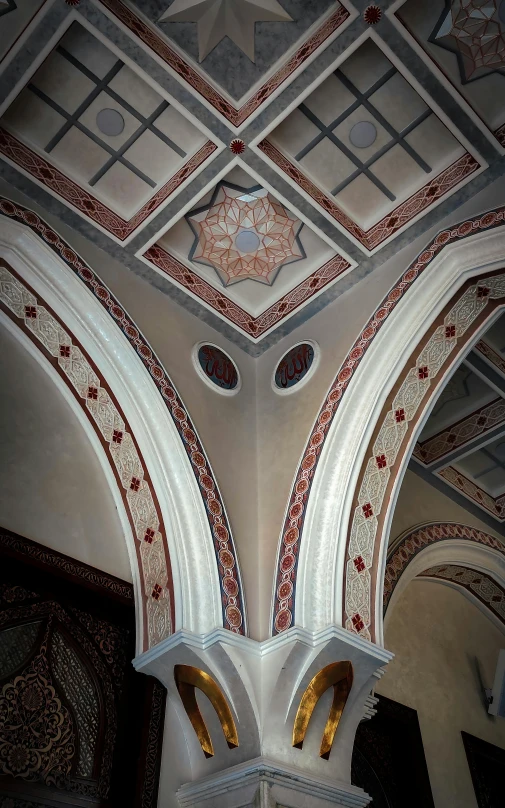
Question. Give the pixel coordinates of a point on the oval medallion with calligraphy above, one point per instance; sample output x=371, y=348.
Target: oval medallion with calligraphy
x=217, y=368
x=294, y=366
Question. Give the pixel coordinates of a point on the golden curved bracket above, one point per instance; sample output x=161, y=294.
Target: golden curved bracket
x=187, y=679
x=338, y=674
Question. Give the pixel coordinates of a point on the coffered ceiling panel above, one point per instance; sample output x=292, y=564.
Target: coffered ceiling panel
x=246, y=255
x=245, y=156
x=465, y=39
x=235, y=43
x=95, y=120
x=364, y=142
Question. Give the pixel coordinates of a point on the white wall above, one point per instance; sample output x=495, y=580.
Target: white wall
x=52, y=487
x=437, y=635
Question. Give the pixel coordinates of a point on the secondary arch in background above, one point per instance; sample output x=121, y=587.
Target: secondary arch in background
x=448, y=552
x=169, y=493
x=322, y=578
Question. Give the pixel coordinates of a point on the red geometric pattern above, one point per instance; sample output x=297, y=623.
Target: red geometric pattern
x=367, y=510
x=264, y=217
x=419, y=538
x=82, y=200
x=159, y=622
x=235, y=116
x=475, y=30
x=233, y=609
x=494, y=505
x=461, y=433
x=480, y=585
x=293, y=525
x=253, y=326
x=392, y=222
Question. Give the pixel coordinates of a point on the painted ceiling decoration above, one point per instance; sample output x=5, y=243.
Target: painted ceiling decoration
x=132, y=114
x=294, y=366
x=475, y=31
x=462, y=445
x=245, y=233
x=463, y=41
x=216, y=19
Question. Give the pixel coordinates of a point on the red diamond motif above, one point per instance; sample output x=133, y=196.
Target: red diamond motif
x=357, y=622
x=117, y=436
x=450, y=331
x=482, y=291
x=30, y=312
x=149, y=535
x=381, y=461
x=422, y=373
x=93, y=393
x=359, y=563
x=135, y=484
x=367, y=510
x=65, y=351
x=157, y=592
x=399, y=416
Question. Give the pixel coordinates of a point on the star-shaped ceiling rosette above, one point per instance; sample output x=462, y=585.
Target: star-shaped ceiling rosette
x=245, y=233
x=219, y=18
x=475, y=31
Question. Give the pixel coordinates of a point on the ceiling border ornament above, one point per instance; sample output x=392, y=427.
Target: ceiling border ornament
x=253, y=327
x=233, y=608
x=236, y=117
x=84, y=202
x=493, y=505
x=292, y=532
x=391, y=223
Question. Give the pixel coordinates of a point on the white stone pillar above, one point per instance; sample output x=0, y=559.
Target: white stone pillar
x=263, y=684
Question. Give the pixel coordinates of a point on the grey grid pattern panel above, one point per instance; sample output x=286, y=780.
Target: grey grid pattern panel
x=363, y=100
x=102, y=85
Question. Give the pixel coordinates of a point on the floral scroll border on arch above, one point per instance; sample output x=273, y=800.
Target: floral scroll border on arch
x=285, y=586
x=417, y=539
x=388, y=447
x=60, y=347
x=226, y=558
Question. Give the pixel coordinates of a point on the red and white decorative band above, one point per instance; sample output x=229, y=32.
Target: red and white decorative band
x=91, y=390
x=235, y=116
x=419, y=538
x=80, y=199
x=226, y=558
x=252, y=326
x=285, y=593
x=390, y=224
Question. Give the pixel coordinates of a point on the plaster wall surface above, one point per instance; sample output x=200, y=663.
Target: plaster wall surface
x=52, y=487
x=285, y=422
x=441, y=641
x=254, y=440
x=419, y=502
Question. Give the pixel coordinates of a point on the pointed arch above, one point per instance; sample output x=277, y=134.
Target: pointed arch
x=468, y=559
x=332, y=550
x=176, y=524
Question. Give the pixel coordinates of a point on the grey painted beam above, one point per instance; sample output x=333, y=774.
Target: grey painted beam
x=486, y=372
x=456, y=497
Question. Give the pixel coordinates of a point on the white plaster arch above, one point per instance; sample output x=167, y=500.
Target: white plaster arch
x=321, y=565
x=452, y=551
x=195, y=575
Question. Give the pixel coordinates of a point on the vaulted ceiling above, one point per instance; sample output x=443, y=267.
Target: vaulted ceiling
x=253, y=160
